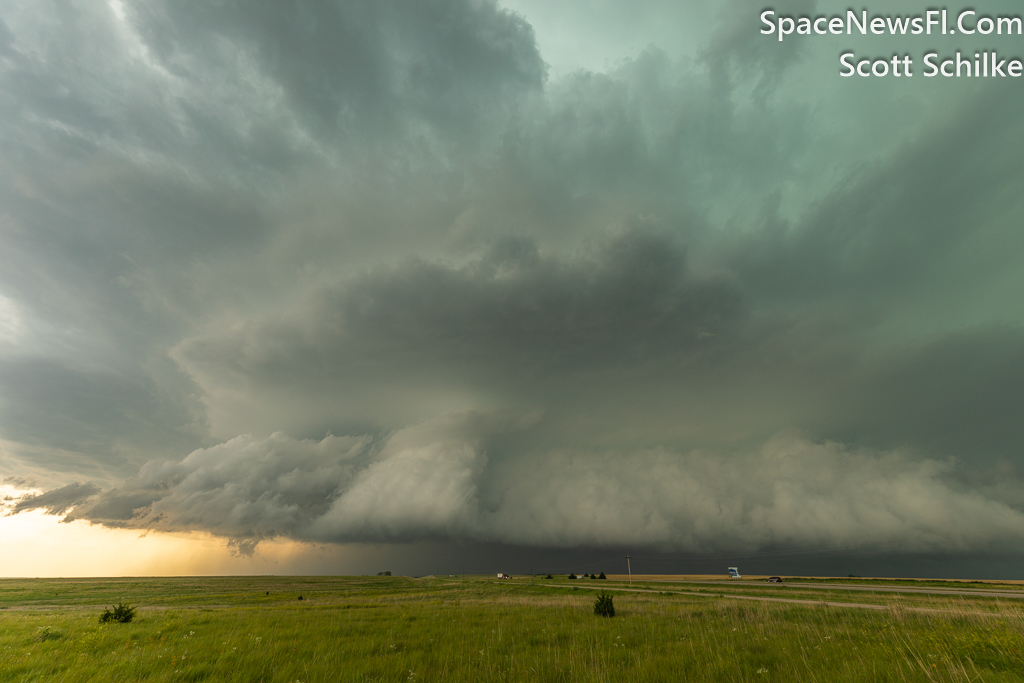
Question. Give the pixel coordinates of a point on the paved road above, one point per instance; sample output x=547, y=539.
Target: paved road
x=982, y=592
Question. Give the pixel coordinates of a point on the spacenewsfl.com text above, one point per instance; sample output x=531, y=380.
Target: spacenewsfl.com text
x=985, y=63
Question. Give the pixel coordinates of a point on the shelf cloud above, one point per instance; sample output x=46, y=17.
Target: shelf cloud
x=438, y=481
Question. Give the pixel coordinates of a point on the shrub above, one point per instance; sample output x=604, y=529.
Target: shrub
x=603, y=576
x=45, y=633
x=383, y=573
x=549, y=576
x=593, y=576
x=603, y=606
x=122, y=614
x=572, y=576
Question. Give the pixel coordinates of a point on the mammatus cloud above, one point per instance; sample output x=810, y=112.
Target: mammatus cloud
x=438, y=480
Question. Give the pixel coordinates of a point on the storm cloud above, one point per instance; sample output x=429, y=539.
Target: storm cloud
x=404, y=272
x=440, y=481
x=57, y=501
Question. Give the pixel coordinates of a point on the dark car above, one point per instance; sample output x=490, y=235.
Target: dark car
x=774, y=579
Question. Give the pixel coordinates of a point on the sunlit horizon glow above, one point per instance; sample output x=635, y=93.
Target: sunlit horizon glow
x=37, y=544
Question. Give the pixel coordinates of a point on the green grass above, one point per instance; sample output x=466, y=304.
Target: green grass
x=400, y=629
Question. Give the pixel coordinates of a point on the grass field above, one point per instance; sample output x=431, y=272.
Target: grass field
x=480, y=629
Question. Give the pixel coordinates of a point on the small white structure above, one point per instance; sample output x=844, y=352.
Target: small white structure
x=734, y=573
x=504, y=576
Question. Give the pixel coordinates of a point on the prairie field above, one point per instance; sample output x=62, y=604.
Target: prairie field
x=525, y=629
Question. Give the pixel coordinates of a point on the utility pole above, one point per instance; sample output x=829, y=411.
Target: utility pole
x=630, y=570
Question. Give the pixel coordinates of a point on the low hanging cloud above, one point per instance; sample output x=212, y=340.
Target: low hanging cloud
x=57, y=501
x=439, y=480
x=243, y=488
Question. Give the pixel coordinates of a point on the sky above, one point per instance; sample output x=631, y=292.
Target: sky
x=345, y=286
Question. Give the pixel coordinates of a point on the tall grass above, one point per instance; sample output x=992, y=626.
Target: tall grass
x=402, y=630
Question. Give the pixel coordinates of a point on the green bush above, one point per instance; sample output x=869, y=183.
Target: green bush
x=602, y=576
x=572, y=576
x=44, y=633
x=122, y=614
x=549, y=576
x=603, y=606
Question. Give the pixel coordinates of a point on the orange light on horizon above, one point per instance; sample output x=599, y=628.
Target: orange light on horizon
x=40, y=545
x=37, y=544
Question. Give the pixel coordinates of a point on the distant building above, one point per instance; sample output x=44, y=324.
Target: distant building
x=734, y=573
